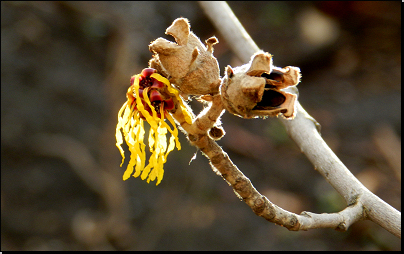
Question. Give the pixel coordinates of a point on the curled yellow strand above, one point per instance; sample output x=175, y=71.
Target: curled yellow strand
x=172, y=90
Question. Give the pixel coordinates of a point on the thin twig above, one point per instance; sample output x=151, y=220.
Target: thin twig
x=362, y=204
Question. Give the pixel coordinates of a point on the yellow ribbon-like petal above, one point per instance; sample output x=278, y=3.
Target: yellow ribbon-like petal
x=118, y=134
x=174, y=91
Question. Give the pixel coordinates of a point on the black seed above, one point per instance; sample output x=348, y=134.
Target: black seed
x=269, y=86
x=274, y=75
x=270, y=99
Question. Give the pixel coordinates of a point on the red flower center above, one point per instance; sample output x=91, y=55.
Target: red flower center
x=155, y=91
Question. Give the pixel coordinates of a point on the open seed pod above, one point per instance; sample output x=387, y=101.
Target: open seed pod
x=254, y=89
x=188, y=64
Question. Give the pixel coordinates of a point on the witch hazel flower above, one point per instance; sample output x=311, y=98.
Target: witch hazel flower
x=150, y=98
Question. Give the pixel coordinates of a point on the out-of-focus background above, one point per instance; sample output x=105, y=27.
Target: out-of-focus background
x=65, y=68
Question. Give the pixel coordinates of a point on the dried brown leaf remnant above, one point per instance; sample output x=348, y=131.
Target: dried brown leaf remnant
x=187, y=63
x=254, y=89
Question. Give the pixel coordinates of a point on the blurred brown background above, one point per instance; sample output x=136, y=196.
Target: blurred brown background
x=65, y=68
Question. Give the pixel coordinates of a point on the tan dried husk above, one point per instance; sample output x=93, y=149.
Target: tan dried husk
x=188, y=64
x=252, y=90
x=243, y=88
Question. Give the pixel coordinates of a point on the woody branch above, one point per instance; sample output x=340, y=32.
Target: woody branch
x=361, y=203
x=220, y=161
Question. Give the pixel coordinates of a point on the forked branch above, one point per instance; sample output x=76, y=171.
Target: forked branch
x=361, y=203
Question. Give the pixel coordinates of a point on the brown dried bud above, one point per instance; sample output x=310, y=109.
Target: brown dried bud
x=188, y=64
x=216, y=132
x=254, y=89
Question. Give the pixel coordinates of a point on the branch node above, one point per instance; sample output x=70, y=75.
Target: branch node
x=341, y=227
x=259, y=205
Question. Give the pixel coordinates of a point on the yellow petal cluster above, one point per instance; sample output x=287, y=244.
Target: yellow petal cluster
x=131, y=125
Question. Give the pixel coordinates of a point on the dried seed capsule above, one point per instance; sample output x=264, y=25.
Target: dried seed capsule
x=255, y=89
x=191, y=66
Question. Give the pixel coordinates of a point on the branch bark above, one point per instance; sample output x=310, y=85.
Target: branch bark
x=361, y=203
